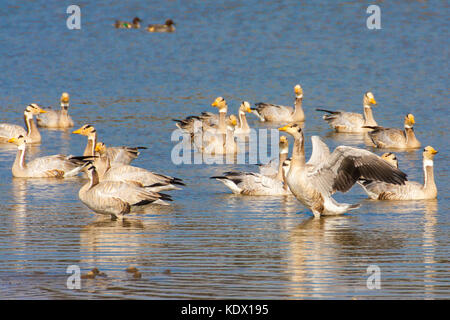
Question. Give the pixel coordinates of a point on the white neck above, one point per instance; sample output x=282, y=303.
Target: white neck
x=427, y=163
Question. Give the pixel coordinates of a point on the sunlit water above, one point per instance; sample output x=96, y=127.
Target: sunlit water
x=210, y=243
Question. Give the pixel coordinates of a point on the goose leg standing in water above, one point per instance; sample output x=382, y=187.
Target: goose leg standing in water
x=411, y=190
x=32, y=135
x=342, y=121
x=313, y=184
x=115, y=197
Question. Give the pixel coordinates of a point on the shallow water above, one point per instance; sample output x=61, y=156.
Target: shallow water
x=210, y=243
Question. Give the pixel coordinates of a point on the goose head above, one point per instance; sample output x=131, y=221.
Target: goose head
x=283, y=144
x=65, y=97
x=390, y=158
x=245, y=107
x=369, y=100
x=232, y=121
x=19, y=141
x=429, y=152
x=86, y=130
x=33, y=109
x=136, y=20
x=298, y=91
x=64, y=100
x=100, y=147
x=409, y=121
x=294, y=130
x=220, y=103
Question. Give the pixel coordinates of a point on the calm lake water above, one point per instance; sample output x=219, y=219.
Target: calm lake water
x=209, y=243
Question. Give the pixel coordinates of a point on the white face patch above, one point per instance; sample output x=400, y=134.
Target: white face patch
x=223, y=110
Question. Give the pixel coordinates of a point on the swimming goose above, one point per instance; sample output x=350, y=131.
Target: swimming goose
x=168, y=26
x=258, y=184
x=272, y=112
x=395, y=138
x=243, y=127
x=313, y=184
x=207, y=119
x=411, y=190
x=56, y=166
x=149, y=180
x=271, y=169
x=117, y=155
x=128, y=25
x=32, y=135
x=215, y=143
x=114, y=197
x=342, y=121
x=57, y=118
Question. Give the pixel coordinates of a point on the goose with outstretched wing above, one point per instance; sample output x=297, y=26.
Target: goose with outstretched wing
x=314, y=184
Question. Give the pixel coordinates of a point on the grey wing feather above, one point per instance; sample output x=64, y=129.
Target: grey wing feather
x=347, y=164
x=320, y=152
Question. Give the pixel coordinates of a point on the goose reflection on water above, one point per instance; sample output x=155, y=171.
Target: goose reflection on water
x=331, y=254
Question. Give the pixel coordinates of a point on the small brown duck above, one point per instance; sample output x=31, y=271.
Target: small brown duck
x=168, y=26
x=128, y=25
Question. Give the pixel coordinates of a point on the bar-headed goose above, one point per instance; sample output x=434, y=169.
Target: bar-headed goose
x=206, y=119
x=395, y=138
x=277, y=113
x=271, y=169
x=257, y=184
x=128, y=25
x=56, y=166
x=32, y=135
x=243, y=128
x=214, y=143
x=168, y=26
x=57, y=118
x=313, y=184
x=149, y=180
x=411, y=190
x=114, y=197
x=342, y=121
x=117, y=155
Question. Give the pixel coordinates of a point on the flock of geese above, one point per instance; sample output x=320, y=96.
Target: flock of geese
x=115, y=186
x=314, y=182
